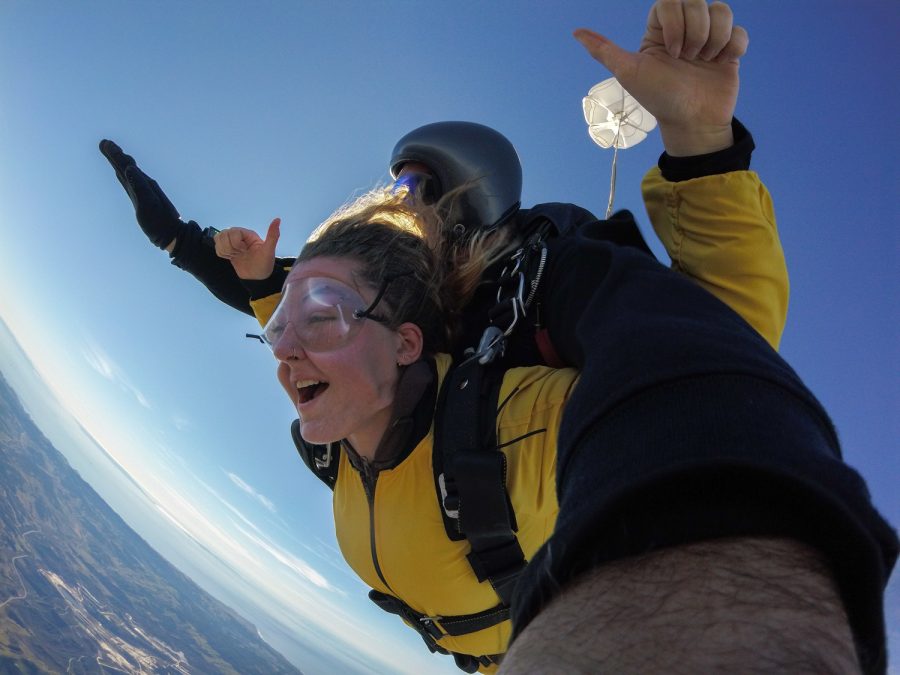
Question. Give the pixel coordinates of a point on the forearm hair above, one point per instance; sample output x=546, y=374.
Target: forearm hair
x=748, y=605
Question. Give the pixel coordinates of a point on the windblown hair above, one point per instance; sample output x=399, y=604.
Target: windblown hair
x=429, y=271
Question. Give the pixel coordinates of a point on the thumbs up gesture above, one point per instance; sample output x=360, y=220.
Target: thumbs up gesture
x=685, y=72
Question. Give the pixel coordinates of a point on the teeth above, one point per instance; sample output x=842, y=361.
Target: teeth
x=307, y=390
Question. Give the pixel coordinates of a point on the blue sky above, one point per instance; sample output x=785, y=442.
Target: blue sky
x=248, y=111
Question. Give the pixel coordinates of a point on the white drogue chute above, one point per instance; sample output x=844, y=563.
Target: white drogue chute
x=615, y=120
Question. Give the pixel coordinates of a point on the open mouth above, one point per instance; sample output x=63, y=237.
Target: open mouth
x=308, y=390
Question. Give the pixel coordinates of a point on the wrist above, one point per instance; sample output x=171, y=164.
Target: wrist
x=734, y=158
x=185, y=240
x=261, y=288
x=253, y=276
x=680, y=141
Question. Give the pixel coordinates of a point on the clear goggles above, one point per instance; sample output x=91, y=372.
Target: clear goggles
x=323, y=314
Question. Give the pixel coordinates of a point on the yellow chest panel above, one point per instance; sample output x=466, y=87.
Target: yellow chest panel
x=398, y=525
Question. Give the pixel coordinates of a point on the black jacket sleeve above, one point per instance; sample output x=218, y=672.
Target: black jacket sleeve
x=687, y=426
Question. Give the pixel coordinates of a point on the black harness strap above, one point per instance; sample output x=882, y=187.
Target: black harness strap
x=429, y=632
x=436, y=627
x=433, y=628
x=470, y=469
x=472, y=483
x=486, y=518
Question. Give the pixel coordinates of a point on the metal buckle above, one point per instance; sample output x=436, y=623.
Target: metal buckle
x=430, y=627
x=326, y=462
x=493, y=340
x=451, y=513
x=518, y=299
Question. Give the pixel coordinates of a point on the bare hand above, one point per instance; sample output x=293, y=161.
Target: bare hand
x=251, y=256
x=685, y=71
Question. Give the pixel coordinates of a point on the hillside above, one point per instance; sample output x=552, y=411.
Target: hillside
x=81, y=592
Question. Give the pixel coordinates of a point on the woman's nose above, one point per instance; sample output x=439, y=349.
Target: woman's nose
x=288, y=347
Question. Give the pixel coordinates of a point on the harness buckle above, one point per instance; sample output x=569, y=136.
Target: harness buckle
x=517, y=299
x=492, y=344
x=450, y=503
x=324, y=462
x=430, y=627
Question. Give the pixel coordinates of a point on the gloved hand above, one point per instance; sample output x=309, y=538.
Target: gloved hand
x=155, y=214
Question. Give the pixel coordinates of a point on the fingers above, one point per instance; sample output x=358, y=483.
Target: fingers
x=138, y=187
x=251, y=256
x=272, y=235
x=114, y=155
x=118, y=159
x=234, y=241
x=735, y=48
x=666, y=20
x=720, y=24
x=614, y=58
x=696, y=28
x=691, y=29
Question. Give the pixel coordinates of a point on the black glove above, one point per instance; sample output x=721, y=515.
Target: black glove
x=195, y=251
x=155, y=214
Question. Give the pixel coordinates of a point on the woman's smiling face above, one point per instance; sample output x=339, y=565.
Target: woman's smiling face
x=347, y=393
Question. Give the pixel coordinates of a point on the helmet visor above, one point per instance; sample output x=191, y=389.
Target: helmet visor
x=323, y=314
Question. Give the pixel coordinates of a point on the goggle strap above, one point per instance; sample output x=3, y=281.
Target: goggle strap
x=367, y=313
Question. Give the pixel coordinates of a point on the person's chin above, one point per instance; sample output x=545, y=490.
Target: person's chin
x=316, y=433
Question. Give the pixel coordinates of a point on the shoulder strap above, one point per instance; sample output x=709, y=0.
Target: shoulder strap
x=470, y=473
x=469, y=468
x=322, y=460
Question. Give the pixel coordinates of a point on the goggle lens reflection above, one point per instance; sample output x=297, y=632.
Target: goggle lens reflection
x=320, y=311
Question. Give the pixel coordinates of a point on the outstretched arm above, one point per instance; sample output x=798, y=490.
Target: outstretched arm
x=719, y=228
x=190, y=247
x=714, y=217
x=687, y=538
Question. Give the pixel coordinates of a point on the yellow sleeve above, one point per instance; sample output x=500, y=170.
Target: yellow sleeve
x=720, y=230
x=263, y=308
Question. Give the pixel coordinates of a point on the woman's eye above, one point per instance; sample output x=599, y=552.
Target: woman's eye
x=273, y=333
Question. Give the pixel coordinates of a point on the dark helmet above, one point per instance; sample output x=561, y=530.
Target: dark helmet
x=465, y=153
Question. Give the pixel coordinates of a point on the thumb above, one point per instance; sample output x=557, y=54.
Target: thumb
x=616, y=60
x=272, y=236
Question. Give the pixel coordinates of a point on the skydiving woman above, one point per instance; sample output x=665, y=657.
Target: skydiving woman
x=690, y=502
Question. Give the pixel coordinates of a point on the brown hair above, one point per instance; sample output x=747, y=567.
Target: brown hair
x=429, y=271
